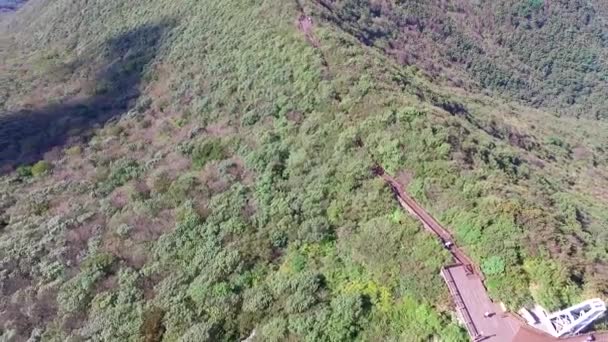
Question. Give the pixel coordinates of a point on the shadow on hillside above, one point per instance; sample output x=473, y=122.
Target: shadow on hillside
x=25, y=135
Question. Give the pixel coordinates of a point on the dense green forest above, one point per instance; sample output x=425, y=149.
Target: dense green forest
x=201, y=170
x=549, y=54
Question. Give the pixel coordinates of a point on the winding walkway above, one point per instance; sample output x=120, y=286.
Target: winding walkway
x=464, y=280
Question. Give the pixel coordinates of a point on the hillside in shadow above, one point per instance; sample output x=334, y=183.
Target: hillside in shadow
x=10, y=5
x=25, y=135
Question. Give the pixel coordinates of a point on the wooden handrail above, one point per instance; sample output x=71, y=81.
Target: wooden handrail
x=459, y=302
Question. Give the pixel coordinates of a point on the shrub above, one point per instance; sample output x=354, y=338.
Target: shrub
x=73, y=151
x=121, y=172
x=256, y=299
x=180, y=188
x=536, y=4
x=493, y=265
x=38, y=206
x=343, y=322
x=206, y=152
x=76, y=294
x=553, y=287
x=160, y=182
x=123, y=230
x=138, y=191
x=152, y=328
x=24, y=171
x=249, y=119
x=274, y=330
x=40, y=168
x=201, y=332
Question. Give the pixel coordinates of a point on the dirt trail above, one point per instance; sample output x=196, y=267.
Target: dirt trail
x=305, y=25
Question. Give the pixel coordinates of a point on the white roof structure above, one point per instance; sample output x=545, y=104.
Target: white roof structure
x=567, y=322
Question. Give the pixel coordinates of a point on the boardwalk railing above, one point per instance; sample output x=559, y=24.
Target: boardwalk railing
x=430, y=224
x=459, y=302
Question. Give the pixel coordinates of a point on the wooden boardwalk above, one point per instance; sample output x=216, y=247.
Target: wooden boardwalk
x=475, y=302
x=465, y=280
x=465, y=314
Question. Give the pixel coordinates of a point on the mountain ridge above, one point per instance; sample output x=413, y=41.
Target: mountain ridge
x=205, y=172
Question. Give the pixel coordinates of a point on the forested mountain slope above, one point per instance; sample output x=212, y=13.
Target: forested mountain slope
x=548, y=54
x=198, y=170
